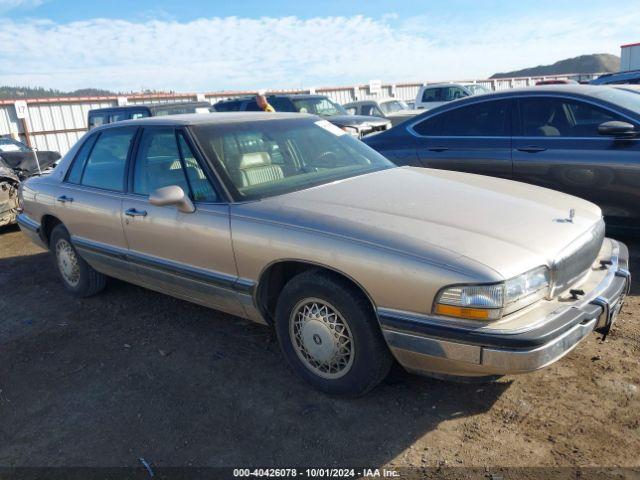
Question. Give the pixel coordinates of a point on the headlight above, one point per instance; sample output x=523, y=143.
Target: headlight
x=491, y=302
x=354, y=131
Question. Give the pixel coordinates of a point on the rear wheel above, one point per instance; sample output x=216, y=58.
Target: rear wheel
x=78, y=277
x=330, y=336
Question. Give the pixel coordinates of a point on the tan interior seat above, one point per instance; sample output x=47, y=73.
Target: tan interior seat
x=256, y=167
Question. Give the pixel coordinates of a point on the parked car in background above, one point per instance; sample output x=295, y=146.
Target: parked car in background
x=396, y=111
x=476, y=88
x=17, y=163
x=355, y=125
x=101, y=116
x=582, y=140
x=286, y=220
x=436, y=94
x=632, y=76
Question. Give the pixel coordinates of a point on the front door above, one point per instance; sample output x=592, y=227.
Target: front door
x=556, y=144
x=472, y=138
x=188, y=255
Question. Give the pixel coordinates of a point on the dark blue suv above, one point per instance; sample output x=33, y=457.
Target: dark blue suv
x=630, y=77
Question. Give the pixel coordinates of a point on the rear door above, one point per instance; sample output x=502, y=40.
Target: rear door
x=556, y=144
x=474, y=138
x=188, y=255
x=89, y=201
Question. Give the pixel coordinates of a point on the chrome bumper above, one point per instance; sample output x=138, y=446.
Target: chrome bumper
x=422, y=344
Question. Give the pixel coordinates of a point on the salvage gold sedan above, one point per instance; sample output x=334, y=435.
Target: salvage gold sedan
x=286, y=220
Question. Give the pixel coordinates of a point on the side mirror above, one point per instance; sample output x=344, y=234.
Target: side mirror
x=617, y=129
x=172, y=195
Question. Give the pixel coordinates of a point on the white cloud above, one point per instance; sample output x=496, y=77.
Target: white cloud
x=237, y=53
x=6, y=5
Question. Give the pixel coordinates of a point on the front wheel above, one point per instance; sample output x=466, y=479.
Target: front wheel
x=330, y=336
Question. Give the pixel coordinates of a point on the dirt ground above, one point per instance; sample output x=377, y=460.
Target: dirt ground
x=132, y=373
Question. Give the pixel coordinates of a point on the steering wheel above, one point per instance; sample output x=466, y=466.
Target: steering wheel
x=328, y=157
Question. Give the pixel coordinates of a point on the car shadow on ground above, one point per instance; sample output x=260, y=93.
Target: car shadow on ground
x=131, y=373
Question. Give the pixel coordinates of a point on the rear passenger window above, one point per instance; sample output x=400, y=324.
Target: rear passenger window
x=158, y=163
x=432, y=95
x=281, y=104
x=232, y=106
x=120, y=116
x=106, y=164
x=75, y=172
x=485, y=119
x=98, y=119
x=429, y=127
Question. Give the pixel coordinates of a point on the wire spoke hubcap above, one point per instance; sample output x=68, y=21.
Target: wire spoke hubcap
x=321, y=338
x=68, y=262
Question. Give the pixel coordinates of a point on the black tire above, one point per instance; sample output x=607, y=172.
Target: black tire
x=89, y=281
x=371, y=356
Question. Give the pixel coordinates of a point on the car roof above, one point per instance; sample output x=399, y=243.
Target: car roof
x=372, y=100
x=272, y=95
x=575, y=89
x=360, y=102
x=149, y=106
x=443, y=84
x=213, y=118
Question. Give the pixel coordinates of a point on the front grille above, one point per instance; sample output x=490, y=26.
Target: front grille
x=373, y=129
x=574, y=261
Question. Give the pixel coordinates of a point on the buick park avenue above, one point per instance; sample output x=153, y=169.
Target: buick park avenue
x=286, y=220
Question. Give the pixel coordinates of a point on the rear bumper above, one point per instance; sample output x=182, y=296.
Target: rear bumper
x=31, y=229
x=424, y=344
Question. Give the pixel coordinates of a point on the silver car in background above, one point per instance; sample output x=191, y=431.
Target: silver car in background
x=394, y=110
x=286, y=220
x=436, y=94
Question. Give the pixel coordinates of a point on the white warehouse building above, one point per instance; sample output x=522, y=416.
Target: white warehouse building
x=630, y=57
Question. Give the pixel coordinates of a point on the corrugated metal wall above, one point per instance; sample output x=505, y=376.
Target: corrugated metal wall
x=57, y=123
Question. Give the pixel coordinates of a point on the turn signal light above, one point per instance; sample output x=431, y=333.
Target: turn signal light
x=463, y=312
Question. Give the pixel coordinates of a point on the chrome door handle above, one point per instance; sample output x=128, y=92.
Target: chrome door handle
x=532, y=149
x=64, y=199
x=132, y=212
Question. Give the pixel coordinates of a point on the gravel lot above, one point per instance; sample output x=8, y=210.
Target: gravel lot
x=132, y=373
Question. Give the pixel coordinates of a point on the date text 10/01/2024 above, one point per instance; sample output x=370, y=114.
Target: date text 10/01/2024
x=315, y=473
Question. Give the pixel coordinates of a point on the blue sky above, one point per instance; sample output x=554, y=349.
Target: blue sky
x=197, y=45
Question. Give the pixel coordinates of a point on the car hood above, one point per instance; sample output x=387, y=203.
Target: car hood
x=452, y=218
x=359, y=120
x=405, y=113
x=25, y=162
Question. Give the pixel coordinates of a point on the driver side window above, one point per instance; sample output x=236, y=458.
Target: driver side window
x=562, y=117
x=158, y=162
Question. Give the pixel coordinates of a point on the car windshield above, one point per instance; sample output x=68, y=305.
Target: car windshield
x=11, y=145
x=318, y=106
x=478, y=89
x=621, y=98
x=393, y=106
x=265, y=158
